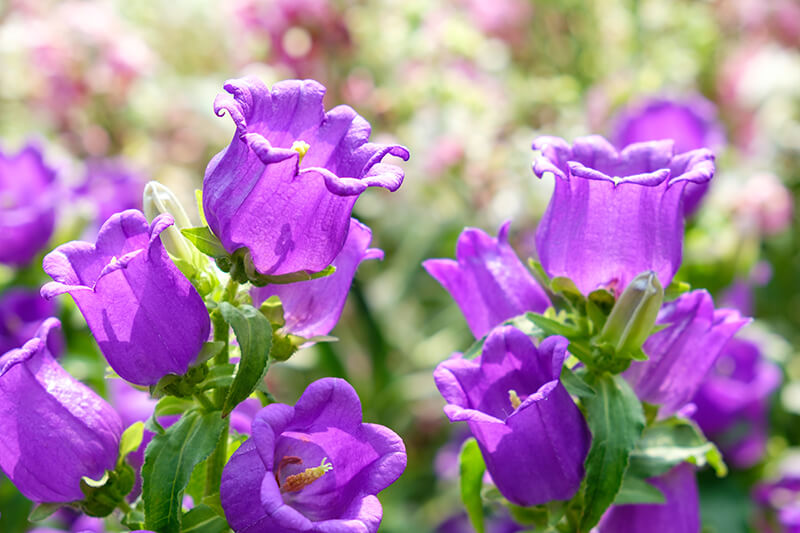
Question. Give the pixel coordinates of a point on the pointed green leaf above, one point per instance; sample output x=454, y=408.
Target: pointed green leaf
x=575, y=385
x=472, y=467
x=551, y=326
x=205, y=241
x=616, y=421
x=130, y=440
x=254, y=334
x=203, y=519
x=43, y=510
x=637, y=490
x=169, y=461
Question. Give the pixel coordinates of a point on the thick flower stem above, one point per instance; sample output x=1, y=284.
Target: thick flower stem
x=217, y=462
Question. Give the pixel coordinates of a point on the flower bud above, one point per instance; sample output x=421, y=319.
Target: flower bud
x=633, y=316
x=158, y=199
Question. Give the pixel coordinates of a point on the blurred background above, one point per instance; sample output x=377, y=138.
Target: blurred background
x=117, y=93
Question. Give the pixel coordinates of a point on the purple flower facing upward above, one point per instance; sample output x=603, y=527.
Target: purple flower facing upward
x=691, y=122
x=614, y=215
x=314, y=467
x=487, y=280
x=732, y=402
x=27, y=205
x=312, y=308
x=680, y=512
x=147, y=318
x=681, y=355
x=531, y=434
x=285, y=186
x=55, y=430
x=22, y=311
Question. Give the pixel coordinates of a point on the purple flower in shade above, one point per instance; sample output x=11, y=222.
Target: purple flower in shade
x=532, y=435
x=613, y=214
x=147, y=318
x=681, y=354
x=778, y=505
x=314, y=467
x=22, y=311
x=691, y=122
x=111, y=186
x=285, y=186
x=459, y=523
x=55, y=430
x=680, y=512
x=732, y=402
x=312, y=308
x=487, y=280
x=27, y=205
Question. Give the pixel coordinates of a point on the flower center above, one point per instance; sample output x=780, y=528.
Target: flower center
x=301, y=147
x=513, y=398
x=301, y=480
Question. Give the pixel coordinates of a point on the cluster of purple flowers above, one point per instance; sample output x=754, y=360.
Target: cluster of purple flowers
x=280, y=195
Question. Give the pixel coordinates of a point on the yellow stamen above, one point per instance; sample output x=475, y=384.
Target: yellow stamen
x=512, y=396
x=305, y=478
x=301, y=147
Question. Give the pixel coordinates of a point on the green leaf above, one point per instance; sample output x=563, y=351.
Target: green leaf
x=43, y=510
x=205, y=241
x=203, y=519
x=254, y=334
x=552, y=327
x=575, y=385
x=262, y=280
x=131, y=440
x=472, y=467
x=675, y=289
x=668, y=443
x=208, y=351
x=169, y=405
x=198, y=196
x=637, y=490
x=616, y=420
x=168, y=464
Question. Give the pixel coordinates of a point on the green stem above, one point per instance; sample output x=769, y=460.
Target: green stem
x=204, y=401
x=217, y=462
x=123, y=505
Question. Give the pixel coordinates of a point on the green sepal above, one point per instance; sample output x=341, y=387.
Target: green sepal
x=636, y=490
x=209, y=350
x=102, y=496
x=203, y=519
x=616, y=420
x=262, y=280
x=42, y=511
x=130, y=441
x=272, y=309
x=575, y=385
x=670, y=442
x=254, y=334
x=134, y=520
x=566, y=288
x=471, y=469
x=205, y=241
x=169, y=461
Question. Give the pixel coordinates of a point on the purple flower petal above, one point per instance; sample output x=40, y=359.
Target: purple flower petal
x=257, y=194
x=488, y=281
x=55, y=429
x=131, y=294
x=542, y=440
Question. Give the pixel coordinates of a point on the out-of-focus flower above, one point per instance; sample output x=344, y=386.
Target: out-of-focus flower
x=27, y=205
x=314, y=467
x=764, y=203
x=680, y=512
x=55, y=429
x=504, y=19
x=22, y=311
x=614, y=215
x=110, y=186
x=286, y=185
x=778, y=505
x=494, y=524
x=487, y=280
x=681, y=354
x=526, y=424
x=312, y=308
x=732, y=402
x=147, y=318
x=691, y=122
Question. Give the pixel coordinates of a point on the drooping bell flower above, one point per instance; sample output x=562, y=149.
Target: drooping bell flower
x=681, y=354
x=531, y=434
x=55, y=430
x=691, y=122
x=27, y=205
x=22, y=311
x=487, y=280
x=286, y=185
x=312, y=308
x=778, y=505
x=614, y=214
x=680, y=512
x=314, y=467
x=732, y=402
x=147, y=318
